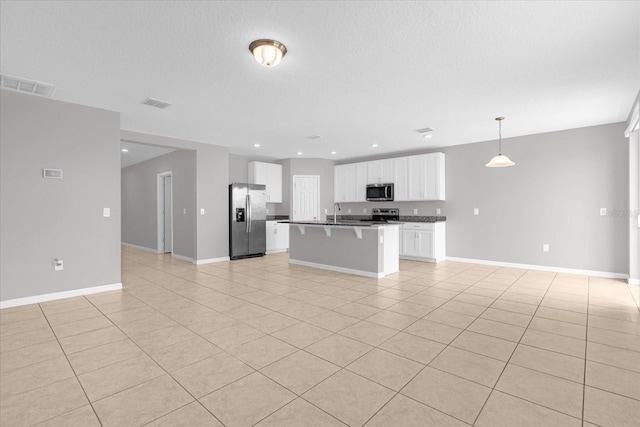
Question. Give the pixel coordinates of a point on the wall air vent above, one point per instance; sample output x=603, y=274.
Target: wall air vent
x=156, y=103
x=23, y=85
x=312, y=137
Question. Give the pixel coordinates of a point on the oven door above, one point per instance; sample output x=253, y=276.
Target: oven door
x=380, y=192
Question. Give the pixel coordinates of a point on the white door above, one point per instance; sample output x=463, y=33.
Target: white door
x=306, y=197
x=168, y=211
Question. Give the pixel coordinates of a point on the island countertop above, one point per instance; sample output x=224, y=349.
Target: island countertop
x=352, y=223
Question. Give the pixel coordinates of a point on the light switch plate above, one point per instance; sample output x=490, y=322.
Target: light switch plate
x=58, y=264
x=326, y=211
x=476, y=211
x=545, y=248
x=438, y=211
x=106, y=212
x=202, y=212
x=603, y=211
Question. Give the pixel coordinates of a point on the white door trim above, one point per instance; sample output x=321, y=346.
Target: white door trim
x=293, y=194
x=160, y=207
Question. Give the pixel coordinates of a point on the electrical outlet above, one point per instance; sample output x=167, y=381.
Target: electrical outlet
x=438, y=211
x=603, y=211
x=349, y=210
x=364, y=210
x=267, y=211
x=106, y=212
x=545, y=248
x=326, y=211
x=184, y=211
x=415, y=211
x=476, y=211
x=58, y=264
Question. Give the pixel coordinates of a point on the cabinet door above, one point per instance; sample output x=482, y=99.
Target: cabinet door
x=274, y=183
x=434, y=176
x=361, y=182
x=374, y=172
x=425, y=244
x=281, y=237
x=416, y=177
x=400, y=179
x=344, y=183
x=409, y=243
x=271, y=244
x=387, y=170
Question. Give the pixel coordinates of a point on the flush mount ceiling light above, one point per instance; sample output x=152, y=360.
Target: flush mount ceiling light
x=256, y=145
x=500, y=161
x=268, y=52
x=334, y=152
x=374, y=145
x=299, y=153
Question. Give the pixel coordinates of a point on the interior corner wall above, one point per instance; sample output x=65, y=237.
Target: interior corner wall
x=212, y=192
x=43, y=219
x=552, y=195
x=140, y=202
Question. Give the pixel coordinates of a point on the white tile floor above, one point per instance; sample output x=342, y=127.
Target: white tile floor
x=261, y=342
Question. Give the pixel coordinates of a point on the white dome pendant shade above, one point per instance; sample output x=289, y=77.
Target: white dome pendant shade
x=268, y=52
x=500, y=161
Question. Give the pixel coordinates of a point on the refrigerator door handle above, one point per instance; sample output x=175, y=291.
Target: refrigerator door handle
x=248, y=213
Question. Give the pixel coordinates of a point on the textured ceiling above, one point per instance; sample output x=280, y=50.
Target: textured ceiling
x=356, y=73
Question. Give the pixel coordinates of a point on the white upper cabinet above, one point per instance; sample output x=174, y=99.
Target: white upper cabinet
x=350, y=183
x=380, y=171
x=361, y=182
x=270, y=175
x=401, y=179
x=426, y=177
x=415, y=178
x=344, y=188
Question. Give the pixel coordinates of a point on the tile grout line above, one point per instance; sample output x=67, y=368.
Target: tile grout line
x=586, y=344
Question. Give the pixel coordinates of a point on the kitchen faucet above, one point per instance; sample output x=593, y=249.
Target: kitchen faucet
x=336, y=208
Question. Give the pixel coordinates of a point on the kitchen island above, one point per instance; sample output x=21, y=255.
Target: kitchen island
x=369, y=249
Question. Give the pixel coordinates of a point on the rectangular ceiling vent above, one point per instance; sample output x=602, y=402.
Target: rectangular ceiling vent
x=23, y=85
x=156, y=103
x=424, y=130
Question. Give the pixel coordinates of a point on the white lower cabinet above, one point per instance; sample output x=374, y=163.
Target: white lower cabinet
x=423, y=241
x=277, y=237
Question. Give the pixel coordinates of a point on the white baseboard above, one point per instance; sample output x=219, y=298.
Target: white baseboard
x=276, y=251
x=635, y=282
x=211, y=260
x=142, y=248
x=414, y=258
x=182, y=257
x=593, y=273
x=340, y=269
x=59, y=295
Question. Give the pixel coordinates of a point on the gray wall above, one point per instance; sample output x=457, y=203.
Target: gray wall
x=553, y=195
x=322, y=167
x=212, y=191
x=42, y=219
x=140, y=205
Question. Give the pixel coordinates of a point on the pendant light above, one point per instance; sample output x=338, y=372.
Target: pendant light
x=500, y=161
x=268, y=52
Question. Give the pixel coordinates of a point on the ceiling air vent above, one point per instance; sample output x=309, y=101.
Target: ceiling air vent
x=156, y=103
x=23, y=85
x=312, y=137
x=424, y=130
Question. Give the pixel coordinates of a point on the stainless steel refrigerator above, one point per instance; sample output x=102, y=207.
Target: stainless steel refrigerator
x=247, y=220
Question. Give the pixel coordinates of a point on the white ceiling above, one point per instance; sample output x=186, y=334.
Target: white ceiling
x=138, y=153
x=356, y=72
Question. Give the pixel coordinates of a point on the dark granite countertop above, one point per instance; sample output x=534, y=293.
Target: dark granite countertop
x=277, y=217
x=403, y=218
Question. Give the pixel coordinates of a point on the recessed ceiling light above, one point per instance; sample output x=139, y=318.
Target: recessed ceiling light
x=124, y=150
x=428, y=136
x=299, y=153
x=256, y=145
x=374, y=145
x=334, y=152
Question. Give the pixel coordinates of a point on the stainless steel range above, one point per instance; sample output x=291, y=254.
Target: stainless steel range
x=385, y=214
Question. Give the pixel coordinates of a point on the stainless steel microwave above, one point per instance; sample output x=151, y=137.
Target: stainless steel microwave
x=380, y=192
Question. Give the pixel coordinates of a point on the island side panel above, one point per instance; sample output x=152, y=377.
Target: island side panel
x=343, y=249
x=391, y=249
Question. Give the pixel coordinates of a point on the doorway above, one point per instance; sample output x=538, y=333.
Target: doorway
x=165, y=212
x=306, y=197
